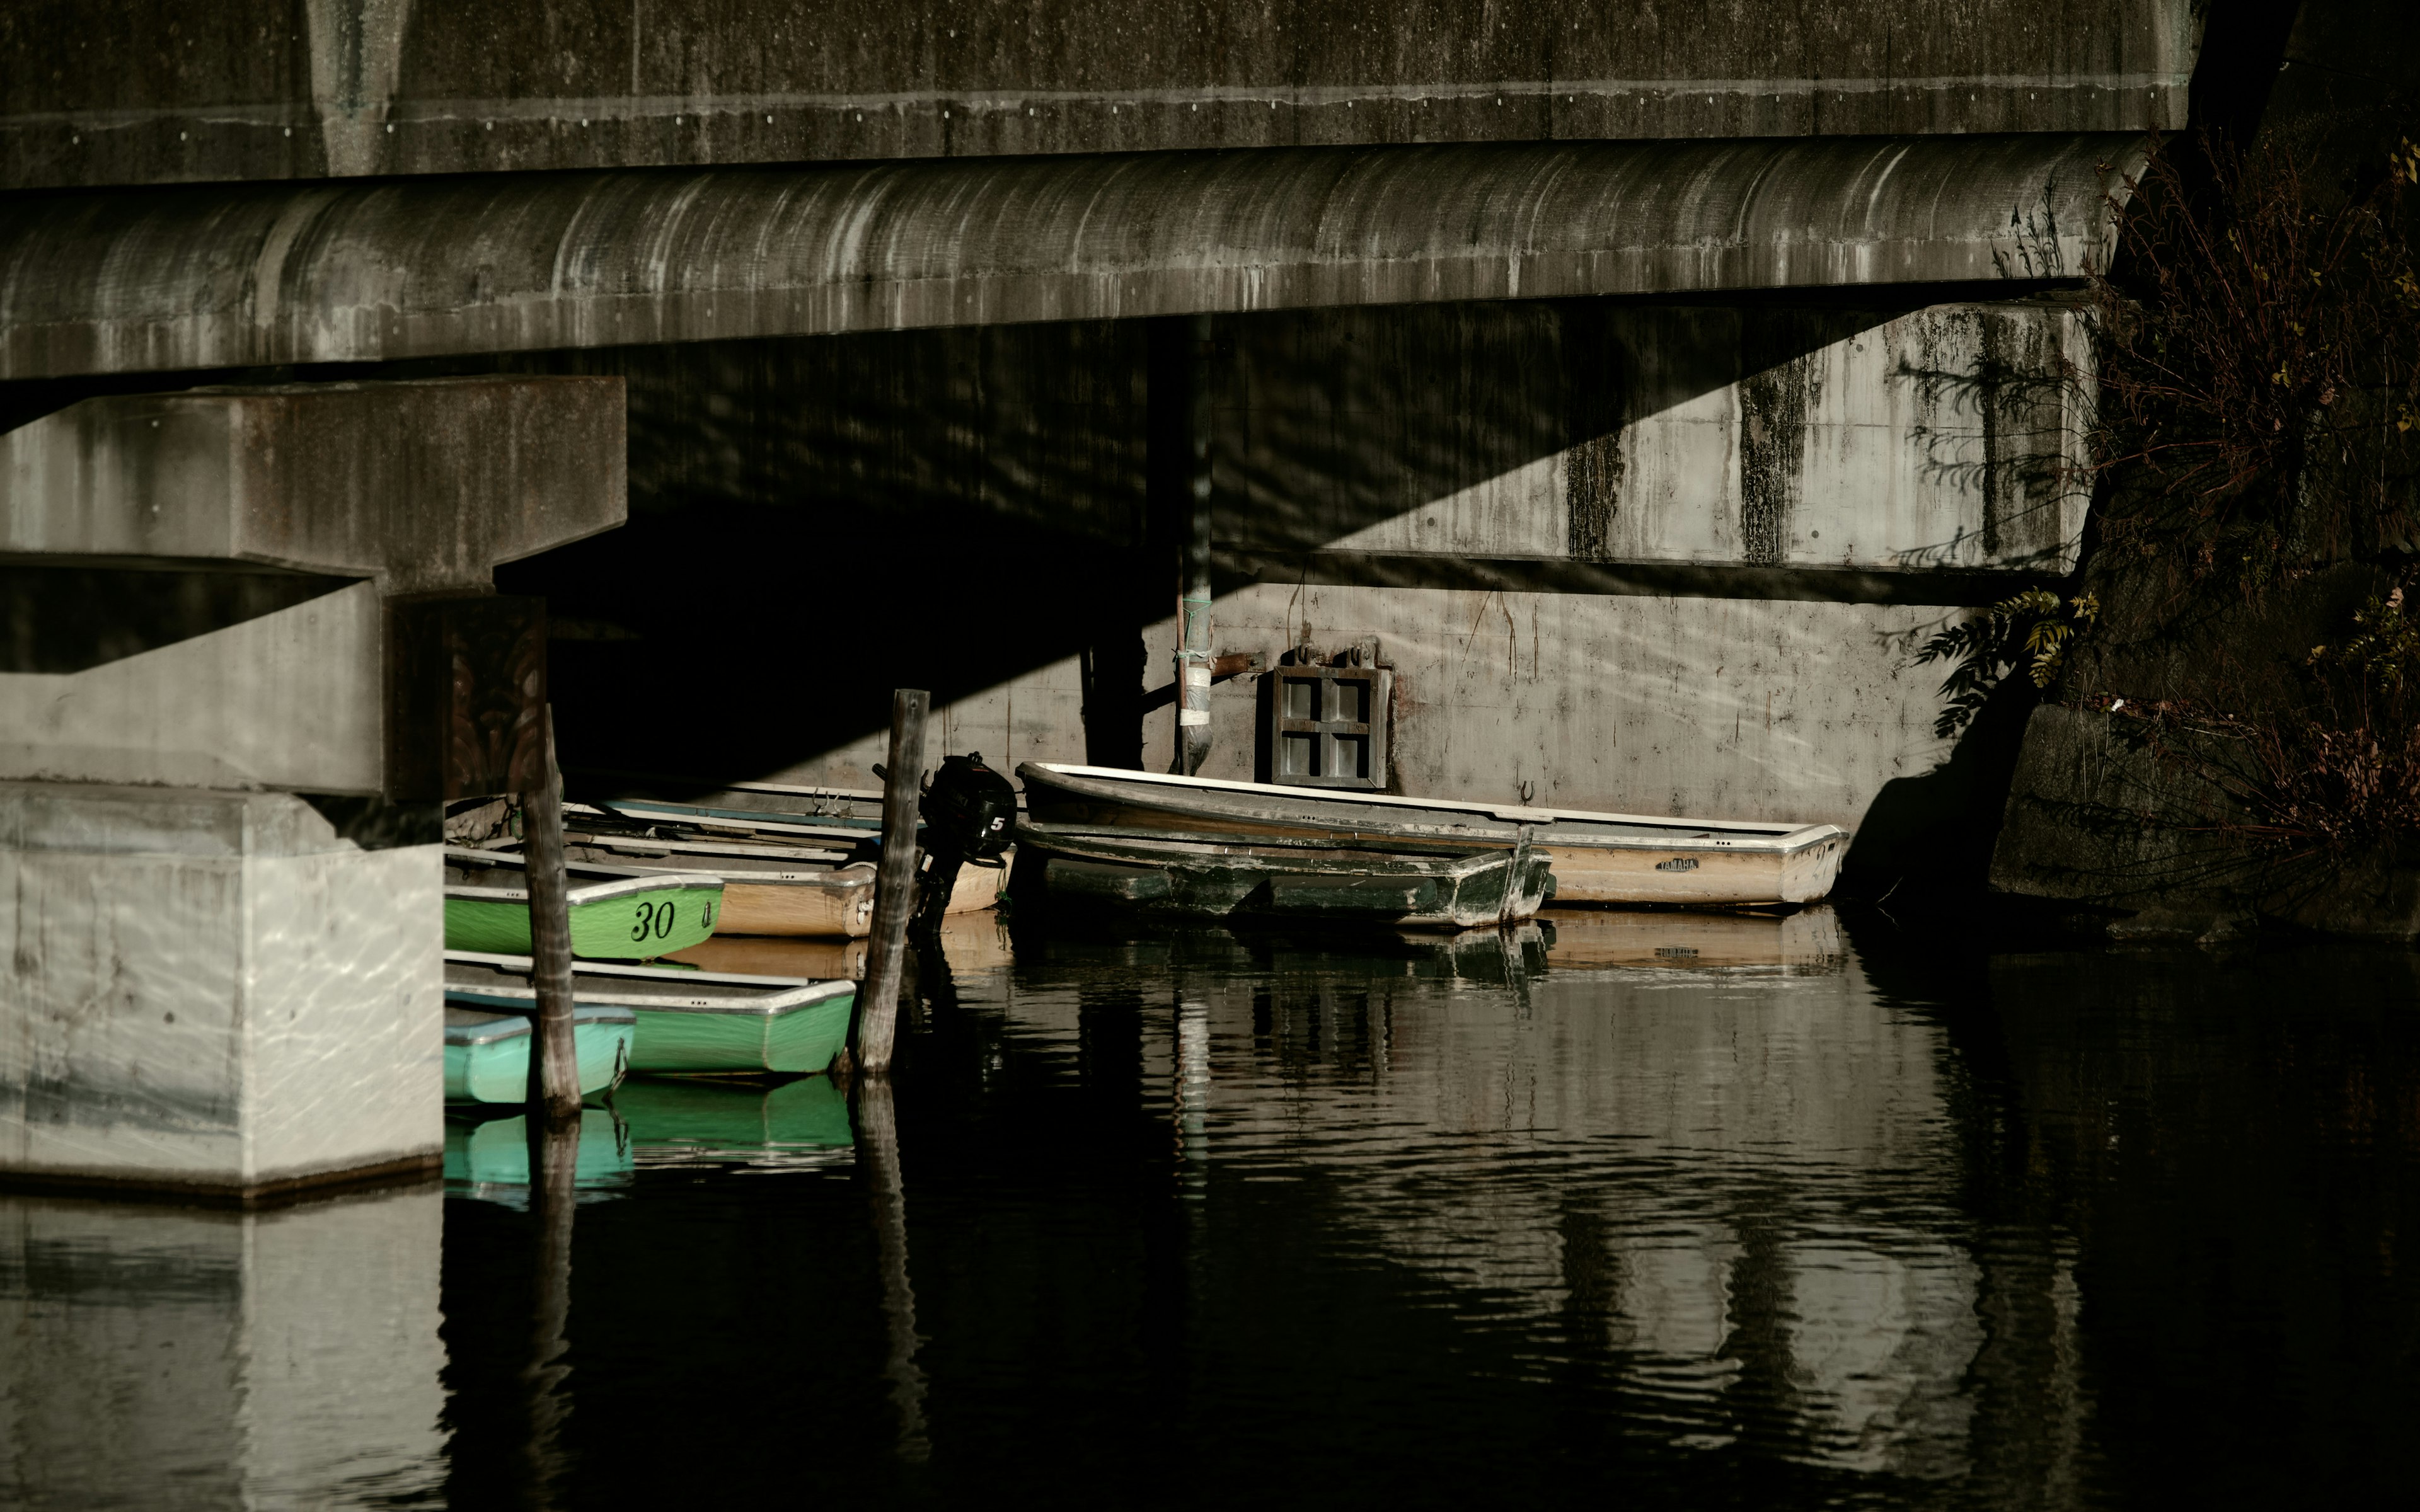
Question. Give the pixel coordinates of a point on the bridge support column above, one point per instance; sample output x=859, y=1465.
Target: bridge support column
x=255, y=649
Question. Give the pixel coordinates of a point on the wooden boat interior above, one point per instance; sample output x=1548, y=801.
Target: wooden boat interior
x=505, y=874
x=648, y=813
x=731, y=863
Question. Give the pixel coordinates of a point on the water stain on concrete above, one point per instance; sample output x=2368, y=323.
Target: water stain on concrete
x=1773, y=404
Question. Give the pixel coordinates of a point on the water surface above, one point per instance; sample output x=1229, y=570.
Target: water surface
x=1655, y=1210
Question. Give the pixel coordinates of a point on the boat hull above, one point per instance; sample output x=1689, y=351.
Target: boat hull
x=802, y=1040
x=1195, y=876
x=497, y=1070
x=633, y=926
x=1718, y=866
x=829, y=910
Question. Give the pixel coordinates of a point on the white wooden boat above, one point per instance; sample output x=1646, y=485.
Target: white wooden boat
x=1596, y=858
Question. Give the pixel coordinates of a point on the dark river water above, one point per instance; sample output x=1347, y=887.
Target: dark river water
x=1648, y=1210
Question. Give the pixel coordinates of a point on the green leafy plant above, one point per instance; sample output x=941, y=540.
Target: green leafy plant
x=2033, y=629
x=2384, y=651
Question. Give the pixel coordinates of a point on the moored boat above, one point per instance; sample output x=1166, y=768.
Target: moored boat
x=487, y=1049
x=685, y=1021
x=766, y=890
x=617, y=913
x=1276, y=878
x=1597, y=857
x=805, y=878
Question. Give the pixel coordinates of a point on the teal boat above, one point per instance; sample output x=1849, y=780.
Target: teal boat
x=617, y=913
x=685, y=1121
x=490, y=1158
x=688, y=1021
x=487, y=1051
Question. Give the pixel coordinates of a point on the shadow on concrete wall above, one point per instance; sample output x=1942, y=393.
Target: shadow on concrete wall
x=1333, y=421
x=815, y=521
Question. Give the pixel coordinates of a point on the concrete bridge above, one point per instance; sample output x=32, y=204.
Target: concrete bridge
x=1640, y=383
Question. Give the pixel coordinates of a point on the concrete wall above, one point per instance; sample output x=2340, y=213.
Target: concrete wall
x=1945, y=436
x=1482, y=488
x=159, y=1355
x=213, y=991
x=293, y=699
x=151, y=91
x=1712, y=708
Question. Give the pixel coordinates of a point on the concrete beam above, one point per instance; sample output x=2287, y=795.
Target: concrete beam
x=423, y=485
x=414, y=490
x=187, y=279
x=158, y=91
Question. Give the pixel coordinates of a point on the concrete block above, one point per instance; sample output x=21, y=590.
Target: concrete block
x=171, y=1356
x=293, y=699
x=212, y=992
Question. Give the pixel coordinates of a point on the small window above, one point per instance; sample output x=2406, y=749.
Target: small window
x=1325, y=727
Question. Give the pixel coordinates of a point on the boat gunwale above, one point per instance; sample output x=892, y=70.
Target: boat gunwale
x=1767, y=839
x=1455, y=862
x=829, y=878
x=692, y=816
x=592, y=892
x=780, y=994
x=512, y=1025
x=734, y=849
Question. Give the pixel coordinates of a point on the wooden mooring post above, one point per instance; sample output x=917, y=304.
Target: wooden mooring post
x=894, y=887
x=554, y=1059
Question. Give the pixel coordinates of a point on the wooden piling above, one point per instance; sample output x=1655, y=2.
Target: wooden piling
x=554, y=1060
x=894, y=886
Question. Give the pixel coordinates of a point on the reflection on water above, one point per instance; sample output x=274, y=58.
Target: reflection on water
x=488, y=1158
x=696, y=1121
x=155, y=1356
x=1660, y=1209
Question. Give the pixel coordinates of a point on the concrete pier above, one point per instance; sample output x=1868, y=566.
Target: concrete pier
x=214, y=992
x=254, y=644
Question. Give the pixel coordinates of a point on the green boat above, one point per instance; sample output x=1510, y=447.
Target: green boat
x=490, y=1158
x=487, y=1051
x=688, y=1022
x=686, y=1122
x=617, y=913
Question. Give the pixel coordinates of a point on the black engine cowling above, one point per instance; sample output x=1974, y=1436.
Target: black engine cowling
x=969, y=814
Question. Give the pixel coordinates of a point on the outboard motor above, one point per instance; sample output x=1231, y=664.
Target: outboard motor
x=969, y=814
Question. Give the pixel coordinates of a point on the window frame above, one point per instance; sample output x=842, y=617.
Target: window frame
x=1378, y=685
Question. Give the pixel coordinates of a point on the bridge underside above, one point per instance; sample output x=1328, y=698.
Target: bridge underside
x=1639, y=388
